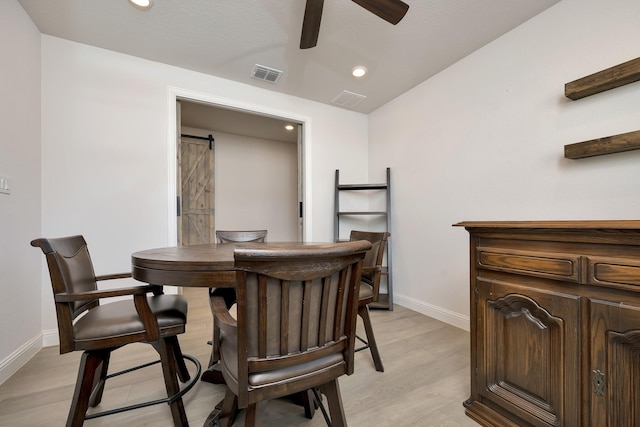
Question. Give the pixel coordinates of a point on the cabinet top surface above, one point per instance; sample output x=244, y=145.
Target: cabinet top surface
x=567, y=225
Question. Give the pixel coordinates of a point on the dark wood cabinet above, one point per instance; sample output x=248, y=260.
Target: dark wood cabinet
x=555, y=323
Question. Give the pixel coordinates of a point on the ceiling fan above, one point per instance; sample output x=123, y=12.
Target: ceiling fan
x=391, y=11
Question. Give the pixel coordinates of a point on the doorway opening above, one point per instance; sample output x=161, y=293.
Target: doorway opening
x=237, y=169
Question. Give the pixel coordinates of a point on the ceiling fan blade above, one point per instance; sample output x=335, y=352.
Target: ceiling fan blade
x=311, y=23
x=391, y=11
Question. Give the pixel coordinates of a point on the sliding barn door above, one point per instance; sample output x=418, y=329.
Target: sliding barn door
x=196, y=220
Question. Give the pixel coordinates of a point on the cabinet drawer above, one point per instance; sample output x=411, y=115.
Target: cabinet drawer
x=615, y=272
x=532, y=263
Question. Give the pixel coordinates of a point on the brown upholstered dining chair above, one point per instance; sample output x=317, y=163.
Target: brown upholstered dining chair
x=86, y=324
x=295, y=327
x=370, y=287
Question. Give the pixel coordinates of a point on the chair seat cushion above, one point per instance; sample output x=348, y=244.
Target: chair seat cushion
x=229, y=361
x=366, y=291
x=120, y=318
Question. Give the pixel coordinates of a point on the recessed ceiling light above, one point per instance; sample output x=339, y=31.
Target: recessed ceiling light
x=141, y=4
x=359, y=71
x=289, y=127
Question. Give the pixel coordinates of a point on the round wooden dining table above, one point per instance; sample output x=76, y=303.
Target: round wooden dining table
x=207, y=266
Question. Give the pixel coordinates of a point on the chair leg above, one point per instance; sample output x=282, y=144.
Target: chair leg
x=363, y=311
x=89, y=364
x=169, y=370
x=229, y=409
x=183, y=372
x=99, y=381
x=334, y=400
x=253, y=414
x=309, y=403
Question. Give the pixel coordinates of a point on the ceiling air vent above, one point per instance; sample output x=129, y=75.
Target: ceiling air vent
x=267, y=74
x=348, y=99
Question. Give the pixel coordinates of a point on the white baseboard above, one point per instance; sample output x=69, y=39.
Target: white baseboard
x=19, y=358
x=50, y=338
x=452, y=318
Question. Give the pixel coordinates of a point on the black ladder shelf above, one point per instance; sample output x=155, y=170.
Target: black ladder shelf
x=386, y=295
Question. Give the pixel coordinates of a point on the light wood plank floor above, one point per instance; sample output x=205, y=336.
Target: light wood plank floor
x=426, y=379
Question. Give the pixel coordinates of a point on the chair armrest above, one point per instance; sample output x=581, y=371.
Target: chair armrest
x=369, y=274
x=106, y=293
x=223, y=318
x=229, y=295
x=139, y=293
x=157, y=291
x=149, y=320
x=370, y=270
x=113, y=276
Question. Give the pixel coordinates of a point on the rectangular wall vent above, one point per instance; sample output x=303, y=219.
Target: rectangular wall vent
x=348, y=99
x=267, y=74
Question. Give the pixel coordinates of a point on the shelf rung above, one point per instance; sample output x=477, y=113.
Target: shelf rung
x=362, y=213
x=362, y=187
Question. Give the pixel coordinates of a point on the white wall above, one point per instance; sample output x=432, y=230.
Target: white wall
x=20, y=264
x=484, y=140
x=105, y=138
x=255, y=184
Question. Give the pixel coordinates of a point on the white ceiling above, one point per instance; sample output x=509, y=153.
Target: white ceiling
x=217, y=119
x=226, y=38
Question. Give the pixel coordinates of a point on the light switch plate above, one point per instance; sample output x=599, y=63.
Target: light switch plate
x=5, y=184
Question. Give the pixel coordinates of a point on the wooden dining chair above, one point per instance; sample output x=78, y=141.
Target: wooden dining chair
x=295, y=325
x=86, y=324
x=370, y=287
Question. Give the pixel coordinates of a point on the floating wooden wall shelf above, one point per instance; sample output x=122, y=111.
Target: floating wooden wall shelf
x=610, y=78
x=619, y=75
x=607, y=145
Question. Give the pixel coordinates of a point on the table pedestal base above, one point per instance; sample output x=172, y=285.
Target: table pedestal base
x=212, y=375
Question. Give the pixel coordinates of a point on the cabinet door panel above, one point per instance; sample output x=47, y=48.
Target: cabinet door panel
x=615, y=363
x=528, y=352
